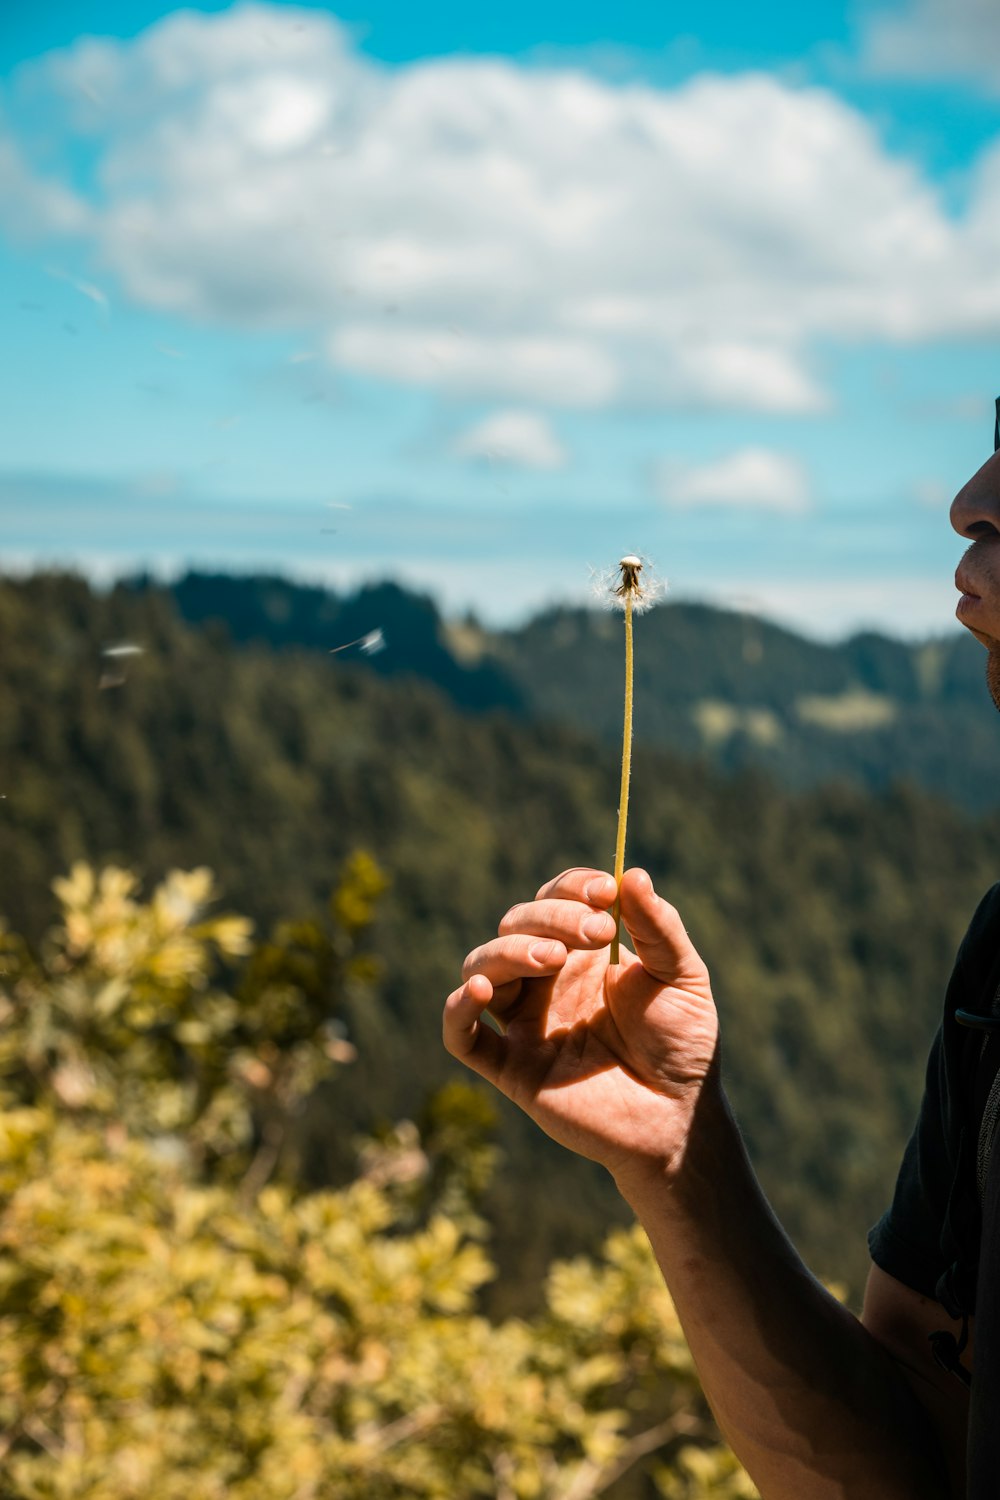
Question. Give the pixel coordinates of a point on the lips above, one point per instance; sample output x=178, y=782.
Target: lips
x=964, y=585
x=975, y=613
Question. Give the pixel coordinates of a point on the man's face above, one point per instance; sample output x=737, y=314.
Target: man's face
x=975, y=513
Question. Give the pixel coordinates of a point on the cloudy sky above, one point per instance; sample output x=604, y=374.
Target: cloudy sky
x=481, y=298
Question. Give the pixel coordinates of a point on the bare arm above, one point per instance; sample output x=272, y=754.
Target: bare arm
x=902, y=1321
x=815, y=1403
x=621, y=1066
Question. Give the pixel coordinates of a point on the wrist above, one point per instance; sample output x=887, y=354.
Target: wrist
x=687, y=1174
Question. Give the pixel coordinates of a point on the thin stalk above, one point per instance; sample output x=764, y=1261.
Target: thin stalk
x=616, y=910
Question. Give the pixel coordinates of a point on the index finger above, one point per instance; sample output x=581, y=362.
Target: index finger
x=595, y=887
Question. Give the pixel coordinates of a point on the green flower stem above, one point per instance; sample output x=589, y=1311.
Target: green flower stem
x=616, y=911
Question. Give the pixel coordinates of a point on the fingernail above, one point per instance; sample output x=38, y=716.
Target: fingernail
x=599, y=890
x=543, y=953
x=643, y=881
x=598, y=926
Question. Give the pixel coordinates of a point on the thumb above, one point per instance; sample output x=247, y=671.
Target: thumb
x=658, y=935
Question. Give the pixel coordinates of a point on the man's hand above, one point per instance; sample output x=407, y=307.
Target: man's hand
x=612, y=1062
x=609, y=1061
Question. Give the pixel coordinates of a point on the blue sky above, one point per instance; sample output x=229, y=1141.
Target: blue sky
x=480, y=299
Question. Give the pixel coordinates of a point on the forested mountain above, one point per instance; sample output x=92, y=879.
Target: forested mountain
x=828, y=916
x=725, y=686
x=410, y=637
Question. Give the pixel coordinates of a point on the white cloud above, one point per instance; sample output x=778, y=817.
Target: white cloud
x=563, y=371
x=31, y=205
x=478, y=227
x=523, y=439
x=742, y=375
x=750, y=479
x=936, y=39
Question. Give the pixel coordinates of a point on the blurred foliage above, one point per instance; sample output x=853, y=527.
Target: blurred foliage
x=126, y=1015
x=829, y=917
x=176, y=1322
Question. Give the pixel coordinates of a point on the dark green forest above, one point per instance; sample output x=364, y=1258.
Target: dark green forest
x=828, y=909
x=726, y=687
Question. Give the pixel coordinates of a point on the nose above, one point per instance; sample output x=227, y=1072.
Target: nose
x=975, y=510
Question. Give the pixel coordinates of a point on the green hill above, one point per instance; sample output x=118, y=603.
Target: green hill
x=735, y=690
x=829, y=916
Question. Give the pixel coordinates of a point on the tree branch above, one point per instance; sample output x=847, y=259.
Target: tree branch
x=593, y=1479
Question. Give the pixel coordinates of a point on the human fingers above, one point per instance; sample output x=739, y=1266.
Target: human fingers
x=506, y=999
x=596, y=887
x=572, y=923
x=466, y=1035
x=517, y=956
x=658, y=934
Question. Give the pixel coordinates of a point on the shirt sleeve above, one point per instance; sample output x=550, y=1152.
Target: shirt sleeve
x=906, y=1241
x=914, y=1239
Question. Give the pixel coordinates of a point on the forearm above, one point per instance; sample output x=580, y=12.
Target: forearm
x=809, y=1401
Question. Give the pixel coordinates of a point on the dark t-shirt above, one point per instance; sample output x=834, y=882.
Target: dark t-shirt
x=941, y=1236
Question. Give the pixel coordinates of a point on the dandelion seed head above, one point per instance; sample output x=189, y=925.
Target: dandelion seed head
x=629, y=586
x=633, y=578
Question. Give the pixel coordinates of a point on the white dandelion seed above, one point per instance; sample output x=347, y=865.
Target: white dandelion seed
x=93, y=293
x=370, y=644
x=86, y=289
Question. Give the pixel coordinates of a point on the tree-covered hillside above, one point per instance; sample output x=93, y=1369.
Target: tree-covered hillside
x=828, y=917
x=725, y=686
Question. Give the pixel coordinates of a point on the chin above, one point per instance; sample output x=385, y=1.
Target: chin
x=993, y=674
